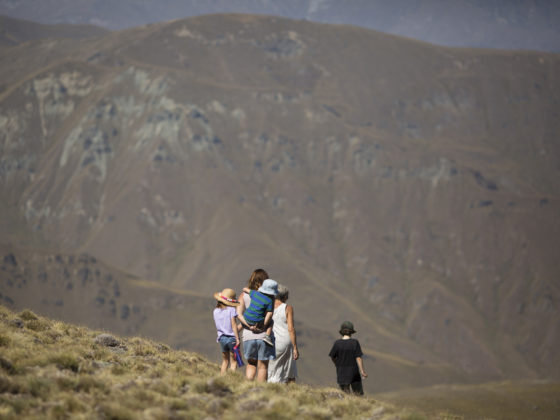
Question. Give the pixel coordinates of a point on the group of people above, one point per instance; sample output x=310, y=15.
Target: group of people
x=263, y=321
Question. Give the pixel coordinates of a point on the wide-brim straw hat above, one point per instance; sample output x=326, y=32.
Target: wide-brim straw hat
x=227, y=297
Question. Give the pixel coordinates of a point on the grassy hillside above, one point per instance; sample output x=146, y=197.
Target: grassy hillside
x=50, y=369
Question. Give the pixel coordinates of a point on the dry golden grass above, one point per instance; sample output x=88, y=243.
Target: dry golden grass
x=54, y=370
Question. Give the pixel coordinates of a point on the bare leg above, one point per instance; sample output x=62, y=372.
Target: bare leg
x=262, y=370
x=232, y=362
x=251, y=369
x=225, y=362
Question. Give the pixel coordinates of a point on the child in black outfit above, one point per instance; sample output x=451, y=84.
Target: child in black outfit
x=346, y=354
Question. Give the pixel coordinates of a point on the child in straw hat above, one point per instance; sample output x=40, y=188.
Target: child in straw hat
x=226, y=326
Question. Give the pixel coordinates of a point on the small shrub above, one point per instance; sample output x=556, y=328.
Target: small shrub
x=163, y=388
x=143, y=396
x=414, y=416
x=200, y=387
x=157, y=372
x=37, y=325
x=118, y=369
x=19, y=405
x=66, y=361
x=116, y=412
x=53, y=336
x=39, y=387
x=163, y=348
x=143, y=349
x=65, y=383
x=7, y=366
x=28, y=315
x=140, y=367
x=178, y=404
x=87, y=383
x=5, y=341
x=8, y=386
x=72, y=405
x=58, y=412
x=100, y=354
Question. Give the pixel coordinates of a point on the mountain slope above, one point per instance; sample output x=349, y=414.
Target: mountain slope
x=410, y=188
x=469, y=23
x=16, y=31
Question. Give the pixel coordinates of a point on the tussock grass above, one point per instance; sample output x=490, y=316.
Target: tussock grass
x=54, y=370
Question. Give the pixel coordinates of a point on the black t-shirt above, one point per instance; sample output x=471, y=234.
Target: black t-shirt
x=344, y=353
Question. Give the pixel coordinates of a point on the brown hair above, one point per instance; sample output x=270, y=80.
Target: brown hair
x=220, y=305
x=257, y=278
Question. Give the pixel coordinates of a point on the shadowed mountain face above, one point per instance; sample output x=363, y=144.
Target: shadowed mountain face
x=530, y=24
x=409, y=188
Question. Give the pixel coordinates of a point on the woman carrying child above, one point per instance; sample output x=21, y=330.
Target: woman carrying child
x=256, y=351
x=226, y=326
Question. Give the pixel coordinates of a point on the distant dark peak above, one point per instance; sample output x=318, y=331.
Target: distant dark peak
x=10, y=259
x=281, y=46
x=484, y=182
x=87, y=259
x=332, y=110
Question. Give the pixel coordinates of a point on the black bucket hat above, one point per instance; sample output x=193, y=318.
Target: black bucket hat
x=347, y=328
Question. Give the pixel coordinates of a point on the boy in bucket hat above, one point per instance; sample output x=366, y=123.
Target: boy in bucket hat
x=346, y=354
x=259, y=313
x=226, y=326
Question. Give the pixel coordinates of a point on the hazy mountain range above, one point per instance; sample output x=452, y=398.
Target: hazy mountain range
x=530, y=24
x=16, y=31
x=410, y=188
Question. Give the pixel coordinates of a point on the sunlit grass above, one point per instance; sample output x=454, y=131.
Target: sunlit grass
x=50, y=369
x=54, y=370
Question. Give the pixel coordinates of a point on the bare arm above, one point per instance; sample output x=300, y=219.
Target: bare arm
x=291, y=329
x=235, y=331
x=361, y=367
x=241, y=310
x=267, y=319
